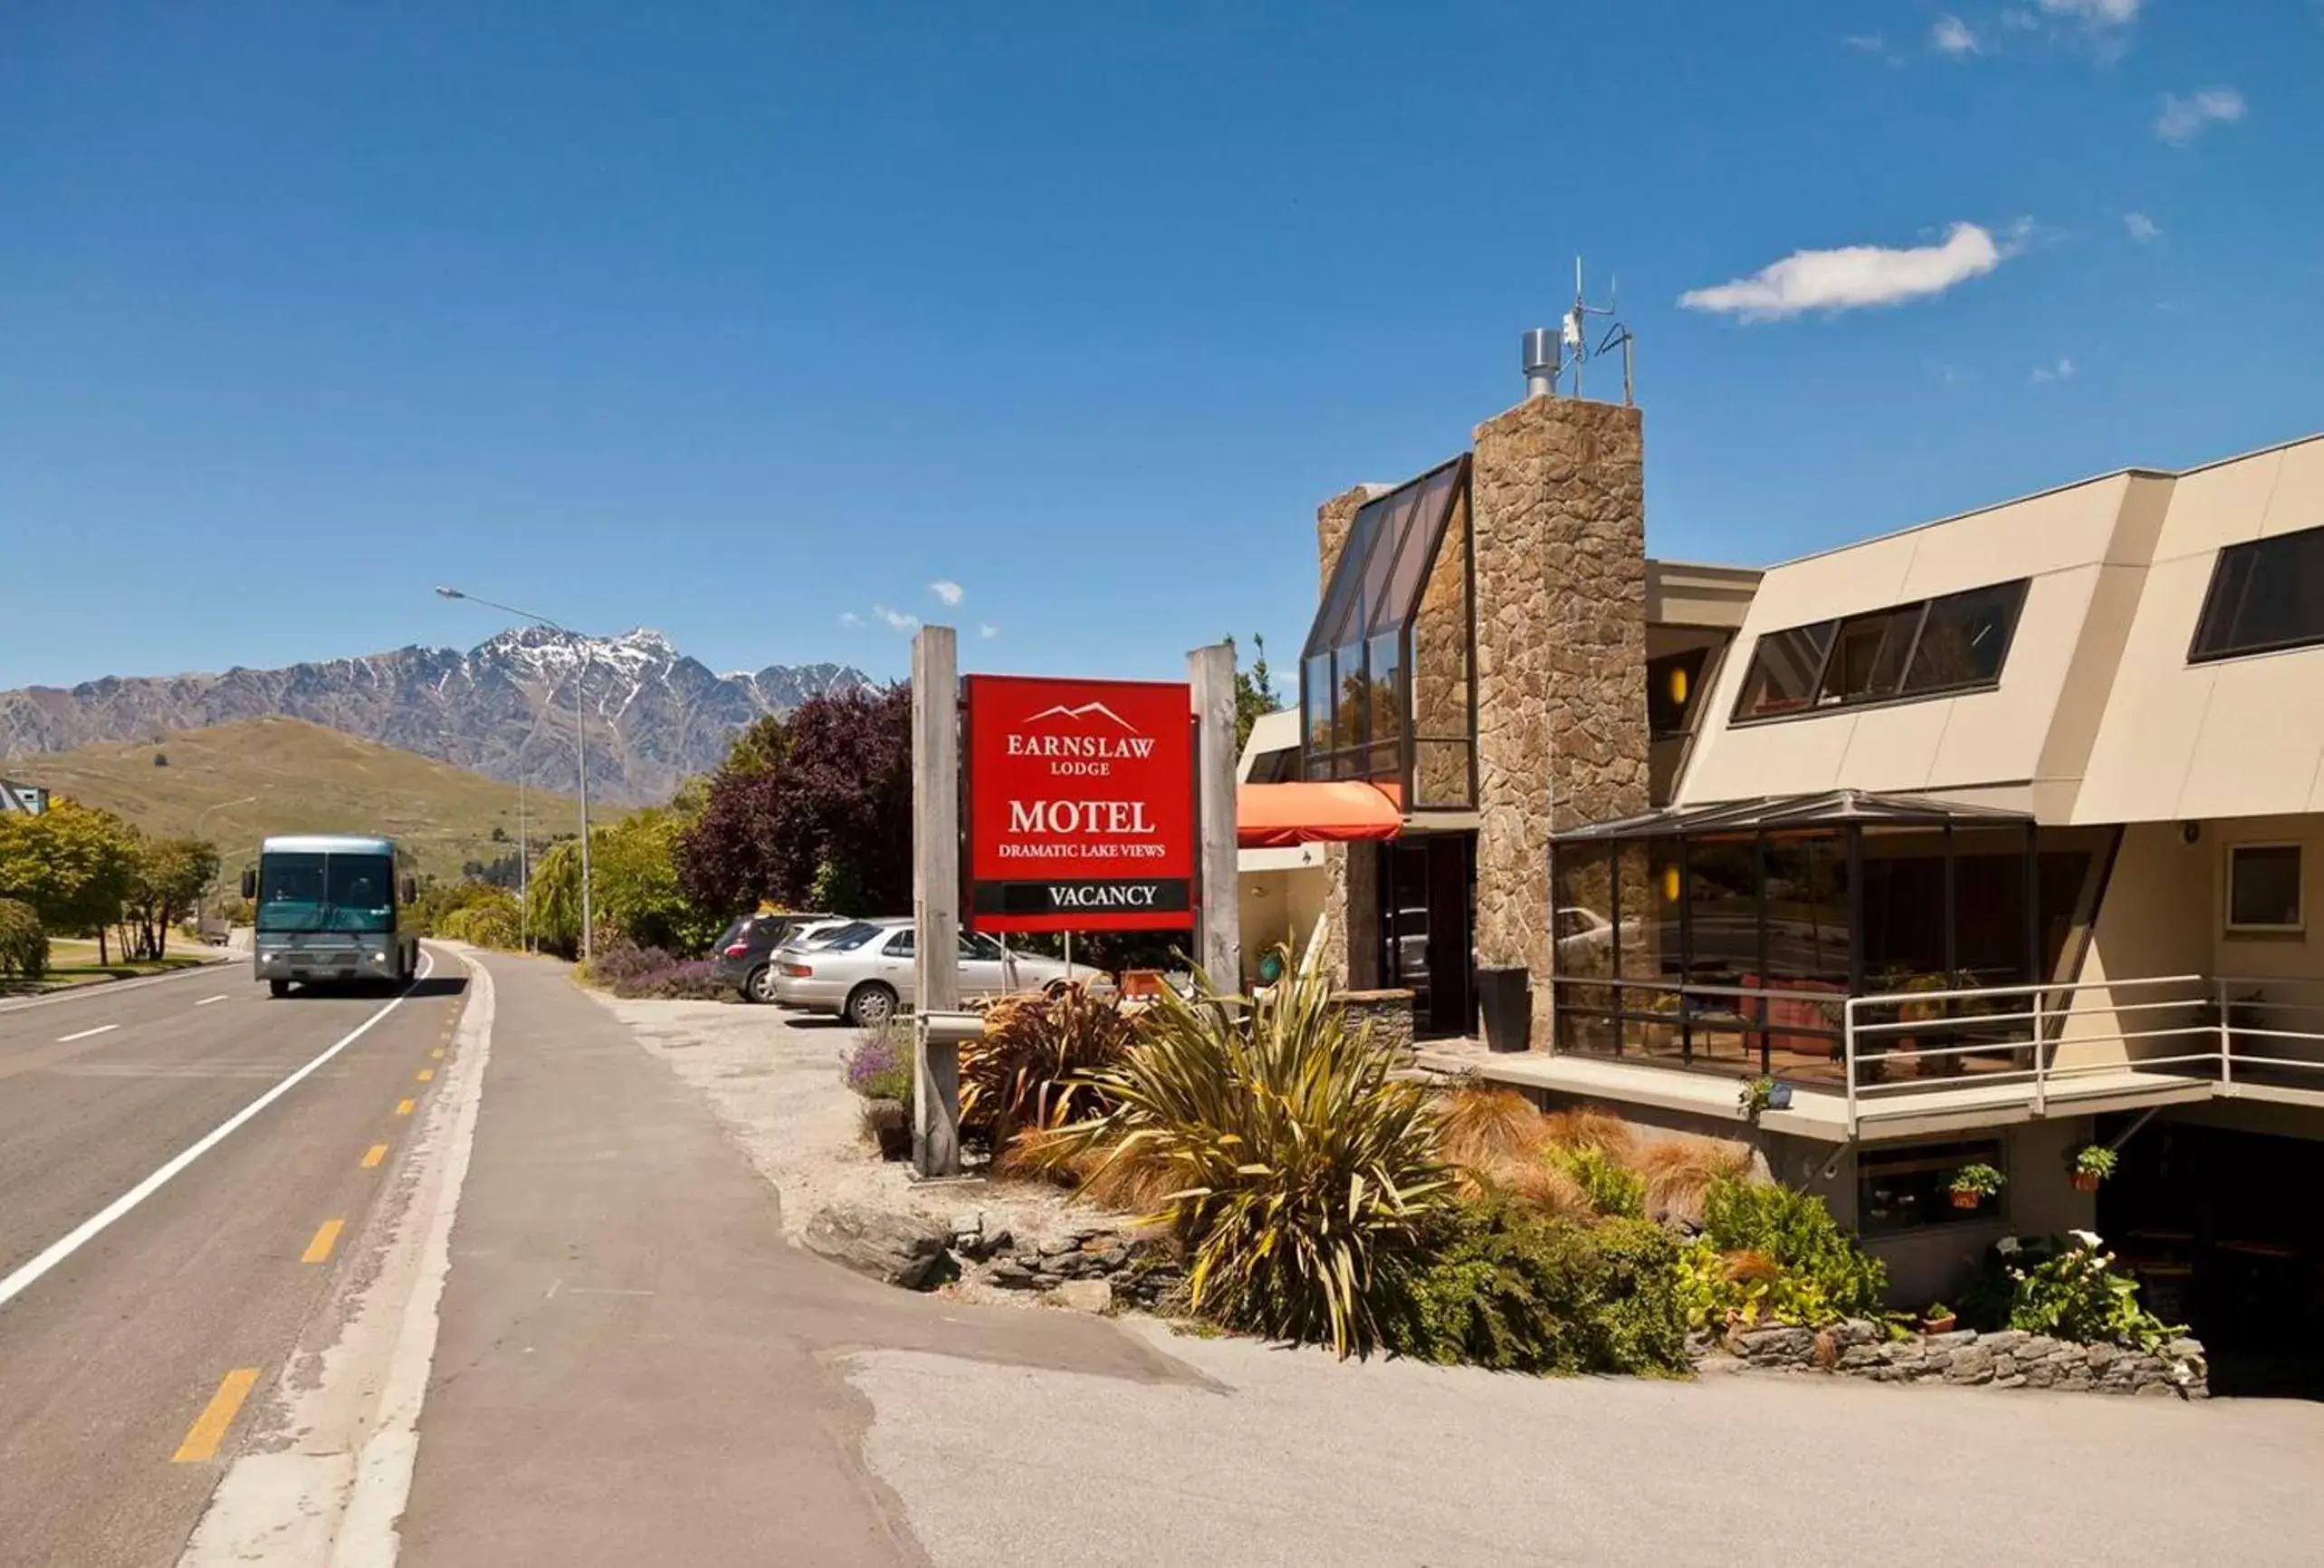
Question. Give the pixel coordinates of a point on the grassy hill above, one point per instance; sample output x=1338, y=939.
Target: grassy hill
x=306, y=779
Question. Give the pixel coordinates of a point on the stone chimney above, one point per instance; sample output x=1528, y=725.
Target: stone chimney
x=1559, y=498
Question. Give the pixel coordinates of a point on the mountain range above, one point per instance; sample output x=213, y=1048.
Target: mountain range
x=504, y=708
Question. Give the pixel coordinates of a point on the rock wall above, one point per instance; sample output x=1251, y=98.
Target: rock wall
x=2006, y=1360
x=1333, y=521
x=1558, y=506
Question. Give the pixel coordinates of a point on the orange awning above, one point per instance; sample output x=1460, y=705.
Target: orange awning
x=1279, y=816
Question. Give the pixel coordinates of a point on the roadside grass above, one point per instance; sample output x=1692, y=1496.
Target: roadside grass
x=72, y=961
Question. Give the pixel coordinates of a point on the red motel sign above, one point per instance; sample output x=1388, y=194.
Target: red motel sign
x=1081, y=805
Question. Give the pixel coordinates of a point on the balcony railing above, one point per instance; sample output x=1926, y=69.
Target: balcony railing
x=2220, y=1028
x=1885, y=1052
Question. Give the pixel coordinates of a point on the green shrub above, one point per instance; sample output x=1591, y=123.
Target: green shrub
x=23, y=943
x=1769, y=1254
x=1301, y=1175
x=2077, y=1296
x=1517, y=1290
x=1612, y=1188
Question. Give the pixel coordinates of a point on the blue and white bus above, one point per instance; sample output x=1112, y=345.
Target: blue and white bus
x=327, y=907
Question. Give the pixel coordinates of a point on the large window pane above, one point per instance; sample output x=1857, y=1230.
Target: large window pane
x=1672, y=683
x=1430, y=507
x=1318, y=696
x=2266, y=594
x=2264, y=887
x=1868, y=658
x=1904, y=910
x=1352, y=692
x=1387, y=687
x=1784, y=670
x=1992, y=925
x=1807, y=909
x=1723, y=904
x=1965, y=640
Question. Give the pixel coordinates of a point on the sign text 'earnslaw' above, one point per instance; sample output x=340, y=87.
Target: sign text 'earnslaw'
x=1081, y=805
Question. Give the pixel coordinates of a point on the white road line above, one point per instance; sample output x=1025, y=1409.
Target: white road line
x=108, y=988
x=57, y=1251
x=206, y=1002
x=68, y=1039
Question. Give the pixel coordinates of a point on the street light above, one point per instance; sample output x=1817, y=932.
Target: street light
x=580, y=736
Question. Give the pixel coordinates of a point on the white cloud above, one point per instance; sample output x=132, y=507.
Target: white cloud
x=2095, y=12
x=895, y=620
x=2142, y=228
x=2183, y=119
x=1868, y=42
x=1952, y=36
x=1854, y=276
x=950, y=592
x=2063, y=370
x=986, y=630
x=2017, y=21
x=850, y=618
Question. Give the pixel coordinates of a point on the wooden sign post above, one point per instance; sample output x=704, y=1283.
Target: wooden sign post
x=936, y=900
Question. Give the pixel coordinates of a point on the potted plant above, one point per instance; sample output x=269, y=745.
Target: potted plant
x=1938, y=1319
x=2093, y=1164
x=1505, y=996
x=1763, y=1094
x=1973, y=1183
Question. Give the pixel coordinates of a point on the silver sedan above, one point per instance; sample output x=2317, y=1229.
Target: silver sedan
x=867, y=975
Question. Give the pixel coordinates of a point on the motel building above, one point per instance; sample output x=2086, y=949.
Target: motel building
x=1984, y=839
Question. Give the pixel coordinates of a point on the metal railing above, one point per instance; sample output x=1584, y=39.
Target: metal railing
x=2220, y=1036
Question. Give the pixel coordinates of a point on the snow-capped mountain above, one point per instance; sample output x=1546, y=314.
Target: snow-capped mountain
x=505, y=708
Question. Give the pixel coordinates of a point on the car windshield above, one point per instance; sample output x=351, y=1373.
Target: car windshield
x=323, y=892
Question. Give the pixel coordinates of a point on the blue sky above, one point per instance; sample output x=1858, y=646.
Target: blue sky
x=738, y=319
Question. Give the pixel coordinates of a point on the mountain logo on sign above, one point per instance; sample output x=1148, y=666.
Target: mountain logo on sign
x=1077, y=715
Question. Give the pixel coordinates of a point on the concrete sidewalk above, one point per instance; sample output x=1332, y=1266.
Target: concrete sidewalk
x=633, y=1364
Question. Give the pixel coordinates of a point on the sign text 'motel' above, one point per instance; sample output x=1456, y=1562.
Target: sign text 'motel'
x=1081, y=805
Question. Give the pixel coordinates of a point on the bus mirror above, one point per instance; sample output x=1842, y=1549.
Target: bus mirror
x=410, y=890
x=249, y=884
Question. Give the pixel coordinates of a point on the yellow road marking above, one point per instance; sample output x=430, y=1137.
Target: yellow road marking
x=437, y=1053
x=425, y=1073
x=209, y=1427
x=319, y=1249
x=374, y=1154
x=402, y=1107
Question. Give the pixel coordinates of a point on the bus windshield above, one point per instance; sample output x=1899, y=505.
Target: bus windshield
x=311, y=892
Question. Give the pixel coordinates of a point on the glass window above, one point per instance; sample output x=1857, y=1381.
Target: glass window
x=1349, y=727
x=1909, y=1188
x=1317, y=692
x=1868, y=659
x=847, y=938
x=2266, y=595
x=976, y=945
x=901, y=945
x=1784, y=670
x=2264, y=887
x=1672, y=683
x=1387, y=686
x=1431, y=506
x=1965, y=640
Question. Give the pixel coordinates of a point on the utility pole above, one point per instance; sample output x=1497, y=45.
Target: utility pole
x=581, y=742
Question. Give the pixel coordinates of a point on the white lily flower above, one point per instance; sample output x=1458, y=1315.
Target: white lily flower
x=2090, y=1240
x=2008, y=1247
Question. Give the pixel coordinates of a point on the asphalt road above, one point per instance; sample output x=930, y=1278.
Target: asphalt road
x=134, y=1364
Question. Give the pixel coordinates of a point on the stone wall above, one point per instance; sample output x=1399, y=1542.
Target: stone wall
x=1558, y=510
x=1386, y=1014
x=2006, y=1360
x=1439, y=672
x=1333, y=521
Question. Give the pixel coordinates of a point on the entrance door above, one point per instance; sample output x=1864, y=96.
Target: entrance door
x=1427, y=892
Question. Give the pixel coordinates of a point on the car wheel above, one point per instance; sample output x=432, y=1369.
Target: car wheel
x=275, y=987
x=761, y=986
x=869, y=1007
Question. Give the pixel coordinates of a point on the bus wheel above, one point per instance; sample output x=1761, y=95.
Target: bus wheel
x=277, y=988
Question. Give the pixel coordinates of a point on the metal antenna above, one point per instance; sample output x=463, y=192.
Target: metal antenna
x=1575, y=332
x=1620, y=334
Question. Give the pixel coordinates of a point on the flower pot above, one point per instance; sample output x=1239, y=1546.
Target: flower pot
x=1964, y=1198
x=1505, y=996
x=2085, y=1181
x=1940, y=1324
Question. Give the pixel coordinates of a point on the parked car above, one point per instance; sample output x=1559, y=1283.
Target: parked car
x=865, y=972
x=739, y=958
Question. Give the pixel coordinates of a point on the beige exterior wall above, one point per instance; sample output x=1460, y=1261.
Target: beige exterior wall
x=2081, y=548
x=2238, y=738
x=1279, y=907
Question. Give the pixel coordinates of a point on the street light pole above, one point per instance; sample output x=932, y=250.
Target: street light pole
x=581, y=738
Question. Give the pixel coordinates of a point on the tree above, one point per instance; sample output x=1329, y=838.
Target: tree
x=633, y=890
x=72, y=862
x=726, y=858
x=166, y=883
x=1255, y=695
x=843, y=814
x=758, y=747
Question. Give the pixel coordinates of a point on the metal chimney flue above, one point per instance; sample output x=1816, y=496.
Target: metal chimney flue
x=1543, y=354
